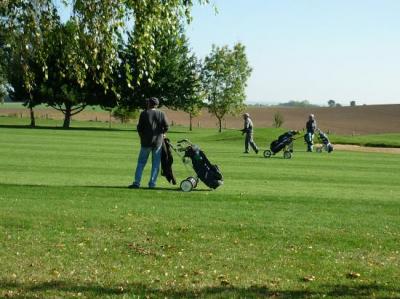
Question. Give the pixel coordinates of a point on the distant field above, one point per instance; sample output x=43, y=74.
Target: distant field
x=316, y=226
x=359, y=120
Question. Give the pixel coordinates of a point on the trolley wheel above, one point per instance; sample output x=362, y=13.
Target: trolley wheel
x=186, y=186
x=267, y=154
x=287, y=155
x=319, y=150
x=194, y=181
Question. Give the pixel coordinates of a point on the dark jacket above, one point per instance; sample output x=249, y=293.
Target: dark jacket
x=166, y=161
x=151, y=127
x=311, y=125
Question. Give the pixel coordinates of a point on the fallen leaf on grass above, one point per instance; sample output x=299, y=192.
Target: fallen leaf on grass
x=225, y=282
x=56, y=273
x=309, y=278
x=140, y=250
x=353, y=275
x=10, y=294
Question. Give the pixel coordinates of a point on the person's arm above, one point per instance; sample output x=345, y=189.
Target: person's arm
x=246, y=126
x=140, y=123
x=164, y=123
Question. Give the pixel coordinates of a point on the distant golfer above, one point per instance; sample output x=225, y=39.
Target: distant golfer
x=151, y=128
x=248, y=130
x=311, y=126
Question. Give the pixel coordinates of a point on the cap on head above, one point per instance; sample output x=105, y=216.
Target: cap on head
x=311, y=116
x=153, y=102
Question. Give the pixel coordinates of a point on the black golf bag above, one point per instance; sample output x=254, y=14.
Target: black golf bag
x=284, y=140
x=208, y=173
x=326, y=145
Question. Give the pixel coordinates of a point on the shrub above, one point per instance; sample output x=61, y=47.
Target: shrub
x=124, y=114
x=278, y=120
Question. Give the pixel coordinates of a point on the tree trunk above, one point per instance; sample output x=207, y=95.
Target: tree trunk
x=220, y=124
x=32, y=115
x=67, y=116
x=190, y=121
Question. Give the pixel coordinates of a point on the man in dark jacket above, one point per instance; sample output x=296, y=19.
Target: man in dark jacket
x=311, y=126
x=151, y=127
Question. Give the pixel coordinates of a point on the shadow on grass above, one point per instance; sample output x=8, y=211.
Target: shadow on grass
x=66, y=288
x=148, y=189
x=176, y=189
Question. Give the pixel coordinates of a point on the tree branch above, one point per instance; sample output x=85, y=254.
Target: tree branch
x=77, y=110
x=57, y=107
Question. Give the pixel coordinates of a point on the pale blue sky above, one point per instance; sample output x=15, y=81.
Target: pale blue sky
x=312, y=50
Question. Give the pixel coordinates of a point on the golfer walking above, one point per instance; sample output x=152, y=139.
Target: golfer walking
x=151, y=129
x=248, y=130
x=311, y=126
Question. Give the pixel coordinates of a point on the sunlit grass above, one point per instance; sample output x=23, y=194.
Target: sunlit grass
x=304, y=227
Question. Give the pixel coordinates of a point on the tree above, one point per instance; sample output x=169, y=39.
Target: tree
x=331, y=103
x=178, y=77
x=3, y=59
x=26, y=24
x=225, y=73
x=61, y=88
x=99, y=28
x=278, y=120
x=176, y=80
x=3, y=94
x=352, y=103
x=104, y=21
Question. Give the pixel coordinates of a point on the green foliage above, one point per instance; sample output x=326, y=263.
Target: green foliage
x=27, y=23
x=71, y=228
x=3, y=58
x=176, y=80
x=124, y=115
x=80, y=57
x=225, y=73
x=278, y=120
x=3, y=94
x=61, y=87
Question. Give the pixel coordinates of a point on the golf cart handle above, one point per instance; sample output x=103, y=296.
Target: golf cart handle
x=184, y=140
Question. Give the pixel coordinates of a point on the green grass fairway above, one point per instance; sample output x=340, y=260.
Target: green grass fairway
x=318, y=225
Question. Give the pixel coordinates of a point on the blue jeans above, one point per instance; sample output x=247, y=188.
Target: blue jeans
x=155, y=165
x=310, y=141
